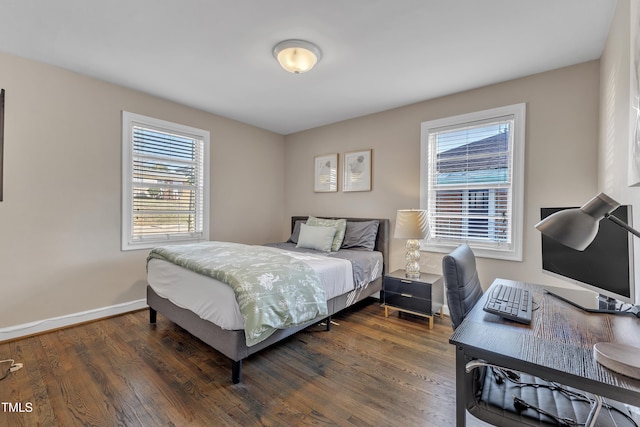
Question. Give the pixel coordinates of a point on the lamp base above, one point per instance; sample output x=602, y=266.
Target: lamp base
x=620, y=358
x=412, y=275
x=412, y=257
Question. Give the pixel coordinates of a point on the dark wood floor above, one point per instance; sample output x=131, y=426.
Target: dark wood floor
x=368, y=370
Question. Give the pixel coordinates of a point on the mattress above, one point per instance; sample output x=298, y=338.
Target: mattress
x=215, y=301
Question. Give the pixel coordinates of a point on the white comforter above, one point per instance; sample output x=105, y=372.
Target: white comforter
x=215, y=301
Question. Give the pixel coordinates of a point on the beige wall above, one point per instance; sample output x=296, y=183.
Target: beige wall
x=616, y=104
x=561, y=158
x=60, y=218
x=618, y=93
x=60, y=221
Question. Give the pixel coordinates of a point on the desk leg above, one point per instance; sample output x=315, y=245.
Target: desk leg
x=461, y=409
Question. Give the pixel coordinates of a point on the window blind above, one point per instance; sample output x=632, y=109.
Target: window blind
x=167, y=185
x=470, y=177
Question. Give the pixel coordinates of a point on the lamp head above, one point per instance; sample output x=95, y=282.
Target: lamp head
x=577, y=228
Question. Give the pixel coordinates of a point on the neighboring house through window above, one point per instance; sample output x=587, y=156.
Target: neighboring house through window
x=472, y=175
x=165, y=182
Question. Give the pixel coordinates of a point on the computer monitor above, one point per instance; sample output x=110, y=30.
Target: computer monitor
x=604, y=268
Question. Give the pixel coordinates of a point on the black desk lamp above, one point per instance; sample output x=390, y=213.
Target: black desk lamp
x=577, y=228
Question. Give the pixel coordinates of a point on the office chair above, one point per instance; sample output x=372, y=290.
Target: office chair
x=504, y=397
x=462, y=283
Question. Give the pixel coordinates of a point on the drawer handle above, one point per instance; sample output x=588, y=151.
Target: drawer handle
x=407, y=295
x=405, y=281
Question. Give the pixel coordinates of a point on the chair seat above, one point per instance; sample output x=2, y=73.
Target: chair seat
x=494, y=403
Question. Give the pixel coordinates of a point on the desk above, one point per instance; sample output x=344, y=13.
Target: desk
x=557, y=346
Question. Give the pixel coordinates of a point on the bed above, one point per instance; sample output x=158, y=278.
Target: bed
x=213, y=316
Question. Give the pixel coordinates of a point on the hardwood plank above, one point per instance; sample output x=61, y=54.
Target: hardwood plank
x=368, y=370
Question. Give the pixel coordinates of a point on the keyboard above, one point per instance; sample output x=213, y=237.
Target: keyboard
x=510, y=302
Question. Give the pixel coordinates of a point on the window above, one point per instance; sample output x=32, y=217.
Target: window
x=165, y=183
x=472, y=174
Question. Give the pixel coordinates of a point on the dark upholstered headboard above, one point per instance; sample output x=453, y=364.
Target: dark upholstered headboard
x=382, y=239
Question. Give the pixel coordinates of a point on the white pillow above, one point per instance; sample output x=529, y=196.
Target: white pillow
x=316, y=237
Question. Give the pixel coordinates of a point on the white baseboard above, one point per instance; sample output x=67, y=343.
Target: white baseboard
x=26, y=329
x=445, y=310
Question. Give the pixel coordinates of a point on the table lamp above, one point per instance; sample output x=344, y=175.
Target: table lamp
x=577, y=228
x=411, y=224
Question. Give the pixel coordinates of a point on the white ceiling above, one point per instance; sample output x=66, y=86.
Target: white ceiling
x=216, y=55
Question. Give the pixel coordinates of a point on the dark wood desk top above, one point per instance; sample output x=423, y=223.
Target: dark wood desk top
x=557, y=346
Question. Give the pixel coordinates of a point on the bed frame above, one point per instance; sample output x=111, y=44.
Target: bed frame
x=232, y=343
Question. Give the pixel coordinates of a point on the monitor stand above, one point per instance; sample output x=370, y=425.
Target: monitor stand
x=592, y=301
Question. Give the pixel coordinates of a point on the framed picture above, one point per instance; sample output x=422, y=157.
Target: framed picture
x=326, y=173
x=1, y=138
x=357, y=171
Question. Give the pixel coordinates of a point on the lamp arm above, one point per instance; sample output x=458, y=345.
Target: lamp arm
x=623, y=224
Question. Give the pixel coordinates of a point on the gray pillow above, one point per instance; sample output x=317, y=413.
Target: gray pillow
x=295, y=235
x=361, y=235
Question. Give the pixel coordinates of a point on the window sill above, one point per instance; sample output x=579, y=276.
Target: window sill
x=478, y=251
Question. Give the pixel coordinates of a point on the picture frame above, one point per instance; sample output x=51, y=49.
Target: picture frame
x=326, y=173
x=357, y=171
x=1, y=142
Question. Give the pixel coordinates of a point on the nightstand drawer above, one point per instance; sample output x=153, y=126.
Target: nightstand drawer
x=408, y=302
x=408, y=287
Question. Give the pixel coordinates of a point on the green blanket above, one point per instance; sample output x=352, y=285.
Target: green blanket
x=273, y=290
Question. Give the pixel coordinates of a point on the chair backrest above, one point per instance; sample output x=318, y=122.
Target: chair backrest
x=461, y=282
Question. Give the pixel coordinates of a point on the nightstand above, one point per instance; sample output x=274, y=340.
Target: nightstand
x=423, y=296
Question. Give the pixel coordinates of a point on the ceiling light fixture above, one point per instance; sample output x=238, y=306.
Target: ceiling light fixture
x=297, y=56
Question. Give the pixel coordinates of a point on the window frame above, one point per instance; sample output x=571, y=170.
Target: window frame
x=518, y=111
x=128, y=240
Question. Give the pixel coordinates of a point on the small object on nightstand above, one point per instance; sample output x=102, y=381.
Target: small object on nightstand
x=423, y=296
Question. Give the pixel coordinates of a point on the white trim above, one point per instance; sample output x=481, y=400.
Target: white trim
x=445, y=310
x=39, y=326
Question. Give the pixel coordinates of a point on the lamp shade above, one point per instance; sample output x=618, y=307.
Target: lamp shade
x=577, y=228
x=297, y=56
x=411, y=224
